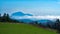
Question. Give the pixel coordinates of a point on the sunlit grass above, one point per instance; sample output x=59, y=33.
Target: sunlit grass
x=19, y=28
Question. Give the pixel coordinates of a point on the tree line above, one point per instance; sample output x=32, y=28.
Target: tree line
x=6, y=18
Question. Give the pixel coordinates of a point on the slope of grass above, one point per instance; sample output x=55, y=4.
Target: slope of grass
x=22, y=29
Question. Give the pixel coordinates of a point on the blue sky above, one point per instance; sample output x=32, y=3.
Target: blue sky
x=35, y=7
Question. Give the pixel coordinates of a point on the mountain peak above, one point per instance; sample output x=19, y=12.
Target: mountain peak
x=20, y=14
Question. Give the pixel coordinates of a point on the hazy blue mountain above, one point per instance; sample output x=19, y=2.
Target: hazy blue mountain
x=26, y=20
x=45, y=21
x=29, y=14
x=20, y=14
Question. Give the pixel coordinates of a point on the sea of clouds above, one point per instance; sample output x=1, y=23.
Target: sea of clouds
x=36, y=17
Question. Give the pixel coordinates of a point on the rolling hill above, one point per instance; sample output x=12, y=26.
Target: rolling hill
x=9, y=28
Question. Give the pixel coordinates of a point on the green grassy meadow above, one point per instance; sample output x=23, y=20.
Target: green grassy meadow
x=7, y=28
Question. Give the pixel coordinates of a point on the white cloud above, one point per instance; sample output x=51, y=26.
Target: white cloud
x=38, y=17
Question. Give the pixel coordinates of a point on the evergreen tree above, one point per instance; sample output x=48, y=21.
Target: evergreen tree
x=0, y=17
x=57, y=24
x=36, y=22
x=48, y=25
x=7, y=17
x=4, y=18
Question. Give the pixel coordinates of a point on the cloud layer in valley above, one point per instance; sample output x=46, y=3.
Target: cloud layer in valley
x=37, y=17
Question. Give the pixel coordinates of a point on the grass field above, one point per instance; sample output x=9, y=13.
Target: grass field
x=22, y=29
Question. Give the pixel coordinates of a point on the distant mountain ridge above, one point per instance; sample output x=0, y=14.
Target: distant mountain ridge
x=20, y=14
x=28, y=20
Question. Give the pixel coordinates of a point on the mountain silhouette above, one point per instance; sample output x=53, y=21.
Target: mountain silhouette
x=20, y=14
x=29, y=14
x=26, y=20
x=45, y=21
